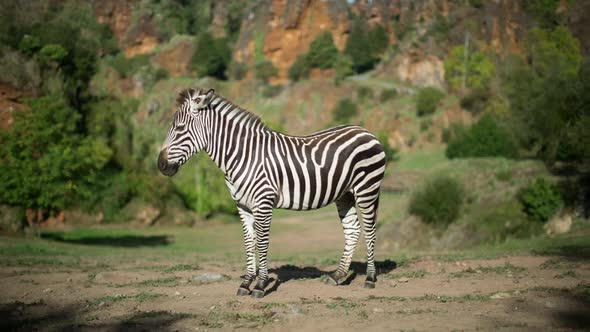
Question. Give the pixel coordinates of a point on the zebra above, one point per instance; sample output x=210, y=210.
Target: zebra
x=265, y=169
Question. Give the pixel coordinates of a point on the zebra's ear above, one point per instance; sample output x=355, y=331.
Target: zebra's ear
x=208, y=97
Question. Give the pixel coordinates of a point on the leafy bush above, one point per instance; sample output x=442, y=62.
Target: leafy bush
x=438, y=201
x=475, y=102
x=503, y=221
x=53, y=52
x=427, y=100
x=358, y=47
x=391, y=154
x=541, y=199
x=126, y=67
x=378, y=39
x=322, y=51
x=486, y=138
x=29, y=44
x=344, y=110
x=299, y=69
x=343, y=67
x=265, y=70
x=471, y=69
x=236, y=70
x=211, y=57
x=364, y=92
x=46, y=162
x=387, y=94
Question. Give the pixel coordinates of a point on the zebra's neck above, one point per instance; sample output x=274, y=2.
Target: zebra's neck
x=231, y=128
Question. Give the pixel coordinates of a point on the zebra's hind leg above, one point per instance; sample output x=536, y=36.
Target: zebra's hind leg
x=368, y=207
x=352, y=231
x=249, y=243
x=263, y=218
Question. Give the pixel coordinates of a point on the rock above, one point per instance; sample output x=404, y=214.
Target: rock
x=393, y=283
x=48, y=290
x=177, y=293
x=419, y=69
x=501, y=295
x=549, y=305
x=403, y=279
x=560, y=223
x=377, y=310
x=143, y=213
x=206, y=278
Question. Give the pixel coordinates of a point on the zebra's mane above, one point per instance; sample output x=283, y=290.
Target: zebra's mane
x=249, y=117
x=184, y=96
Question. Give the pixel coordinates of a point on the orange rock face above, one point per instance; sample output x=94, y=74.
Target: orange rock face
x=287, y=28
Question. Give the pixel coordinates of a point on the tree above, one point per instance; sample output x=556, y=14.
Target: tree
x=322, y=51
x=549, y=97
x=358, y=47
x=379, y=40
x=465, y=69
x=45, y=162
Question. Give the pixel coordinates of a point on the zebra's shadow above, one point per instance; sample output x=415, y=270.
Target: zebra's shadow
x=288, y=272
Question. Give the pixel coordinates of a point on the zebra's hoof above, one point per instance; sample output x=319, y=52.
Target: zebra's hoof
x=331, y=281
x=258, y=293
x=243, y=291
x=369, y=284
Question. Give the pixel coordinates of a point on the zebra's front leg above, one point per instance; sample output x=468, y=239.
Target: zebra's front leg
x=263, y=217
x=250, y=244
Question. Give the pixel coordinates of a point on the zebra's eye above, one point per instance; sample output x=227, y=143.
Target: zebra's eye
x=180, y=127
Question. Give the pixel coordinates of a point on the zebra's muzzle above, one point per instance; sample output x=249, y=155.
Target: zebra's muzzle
x=165, y=167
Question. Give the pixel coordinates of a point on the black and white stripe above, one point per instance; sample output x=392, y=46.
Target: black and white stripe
x=265, y=169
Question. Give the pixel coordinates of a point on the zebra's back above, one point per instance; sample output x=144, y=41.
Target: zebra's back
x=312, y=171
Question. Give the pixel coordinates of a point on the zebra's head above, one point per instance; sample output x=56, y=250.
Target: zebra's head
x=187, y=133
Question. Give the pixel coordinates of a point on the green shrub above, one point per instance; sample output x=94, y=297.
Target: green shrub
x=161, y=74
x=343, y=68
x=503, y=221
x=358, y=47
x=541, y=199
x=211, y=57
x=474, y=71
x=475, y=102
x=53, y=52
x=299, y=69
x=265, y=70
x=486, y=138
x=29, y=44
x=378, y=39
x=46, y=162
x=271, y=91
x=364, y=92
x=322, y=51
x=236, y=70
x=438, y=201
x=126, y=67
x=391, y=153
x=387, y=94
x=344, y=110
x=427, y=100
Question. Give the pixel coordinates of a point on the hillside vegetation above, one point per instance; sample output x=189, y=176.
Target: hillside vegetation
x=499, y=126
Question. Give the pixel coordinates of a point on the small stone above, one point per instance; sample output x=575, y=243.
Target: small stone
x=47, y=290
x=403, y=279
x=393, y=283
x=177, y=293
x=69, y=280
x=212, y=307
x=206, y=278
x=377, y=310
x=478, y=271
x=296, y=310
x=549, y=305
x=101, y=304
x=501, y=295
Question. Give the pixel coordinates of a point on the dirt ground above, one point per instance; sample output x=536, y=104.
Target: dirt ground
x=183, y=292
